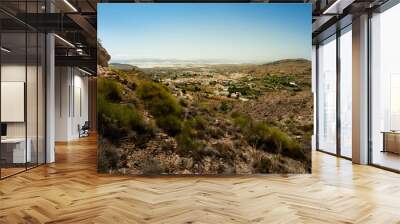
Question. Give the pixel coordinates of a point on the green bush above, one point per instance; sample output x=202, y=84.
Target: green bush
x=267, y=138
x=259, y=135
x=110, y=129
x=236, y=114
x=119, y=72
x=170, y=124
x=225, y=106
x=162, y=105
x=110, y=89
x=294, y=151
x=274, y=140
x=226, y=152
x=159, y=100
x=242, y=89
x=198, y=123
x=241, y=120
x=307, y=127
x=183, y=102
x=125, y=115
x=108, y=157
x=288, y=147
x=188, y=146
x=281, y=82
x=188, y=143
x=198, y=127
x=117, y=120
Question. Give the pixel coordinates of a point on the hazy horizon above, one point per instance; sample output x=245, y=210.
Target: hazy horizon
x=156, y=62
x=238, y=33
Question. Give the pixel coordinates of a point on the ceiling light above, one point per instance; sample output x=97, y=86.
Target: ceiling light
x=65, y=41
x=337, y=7
x=79, y=51
x=334, y=5
x=86, y=72
x=5, y=50
x=70, y=5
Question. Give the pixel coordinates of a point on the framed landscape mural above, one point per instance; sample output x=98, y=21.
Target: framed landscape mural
x=206, y=89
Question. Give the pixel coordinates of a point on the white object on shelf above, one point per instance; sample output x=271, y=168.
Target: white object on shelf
x=19, y=155
x=12, y=101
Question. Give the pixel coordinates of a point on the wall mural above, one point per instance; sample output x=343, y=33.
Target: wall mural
x=205, y=89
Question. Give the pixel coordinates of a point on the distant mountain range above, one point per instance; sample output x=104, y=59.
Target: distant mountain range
x=175, y=61
x=125, y=67
x=150, y=63
x=285, y=61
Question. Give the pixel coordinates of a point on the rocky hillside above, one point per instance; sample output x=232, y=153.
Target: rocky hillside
x=180, y=122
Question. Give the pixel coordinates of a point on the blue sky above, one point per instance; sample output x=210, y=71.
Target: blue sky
x=231, y=32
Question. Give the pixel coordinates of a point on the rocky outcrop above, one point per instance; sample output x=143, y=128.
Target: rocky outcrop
x=102, y=55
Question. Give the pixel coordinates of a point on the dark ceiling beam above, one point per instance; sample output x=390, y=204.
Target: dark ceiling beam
x=77, y=61
x=54, y=22
x=86, y=51
x=91, y=5
x=91, y=71
x=49, y=22
x=321, y=22
x=332, y=28
x=9, y=25
x=87, y=24
x=286, y=1
x=338, y=9
x=84, y=24
x=15, y=19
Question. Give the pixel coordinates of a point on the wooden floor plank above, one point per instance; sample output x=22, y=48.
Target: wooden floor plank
x=70, y=191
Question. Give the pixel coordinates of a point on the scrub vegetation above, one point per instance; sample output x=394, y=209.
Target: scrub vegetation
x=215, y=119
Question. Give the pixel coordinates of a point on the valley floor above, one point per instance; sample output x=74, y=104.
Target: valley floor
x=71, y=191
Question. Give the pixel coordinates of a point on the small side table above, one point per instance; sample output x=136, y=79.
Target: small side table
x=391, y=141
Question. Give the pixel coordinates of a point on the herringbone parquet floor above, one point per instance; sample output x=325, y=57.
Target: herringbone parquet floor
x=70, y=191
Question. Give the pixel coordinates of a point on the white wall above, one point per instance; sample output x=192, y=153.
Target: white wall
x=71, y=87
x=314, y=91
x=62, y=81
x=346, y=75
x=80, y=110
x=327, y=95
x=13, y=72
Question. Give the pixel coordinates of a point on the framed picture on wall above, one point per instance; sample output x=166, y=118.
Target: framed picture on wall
x=194, y=89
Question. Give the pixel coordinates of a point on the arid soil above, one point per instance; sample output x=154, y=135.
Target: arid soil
x=222, y=119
